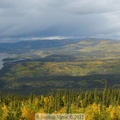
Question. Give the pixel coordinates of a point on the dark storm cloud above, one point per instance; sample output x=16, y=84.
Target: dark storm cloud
x=59, y=18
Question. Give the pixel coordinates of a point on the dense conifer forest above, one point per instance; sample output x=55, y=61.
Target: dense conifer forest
x=96, y=105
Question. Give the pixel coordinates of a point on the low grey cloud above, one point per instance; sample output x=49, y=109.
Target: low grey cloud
x=59, y=18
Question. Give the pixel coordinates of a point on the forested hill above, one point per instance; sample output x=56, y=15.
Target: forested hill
x=27, y=46
x=92, y=48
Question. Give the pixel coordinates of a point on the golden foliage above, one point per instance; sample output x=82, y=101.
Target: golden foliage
x=27, y=113
x=5, y=111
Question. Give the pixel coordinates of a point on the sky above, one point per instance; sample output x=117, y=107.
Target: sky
x=59, y=18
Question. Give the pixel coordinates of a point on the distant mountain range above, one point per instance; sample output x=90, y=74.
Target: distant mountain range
x=79, y=48
x=27, y=46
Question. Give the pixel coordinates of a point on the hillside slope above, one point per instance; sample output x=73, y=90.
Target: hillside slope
x=89, y=49
x=84, y=64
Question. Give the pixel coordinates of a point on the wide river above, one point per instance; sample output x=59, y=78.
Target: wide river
x=2, y=56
